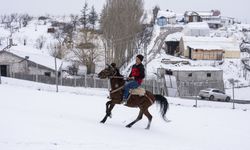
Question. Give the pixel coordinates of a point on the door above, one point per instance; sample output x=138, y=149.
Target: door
x=3, y=70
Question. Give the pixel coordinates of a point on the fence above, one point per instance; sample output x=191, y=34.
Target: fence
x=156, y=87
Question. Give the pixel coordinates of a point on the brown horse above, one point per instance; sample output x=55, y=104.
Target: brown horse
x=142, y=102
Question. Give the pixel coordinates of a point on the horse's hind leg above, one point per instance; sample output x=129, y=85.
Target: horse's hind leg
x=149, y=116
x=137, y=119
x=109, y=107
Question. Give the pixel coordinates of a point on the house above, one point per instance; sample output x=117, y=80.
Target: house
x=22, y=60
x=166, y=17
x=209, y=48
x=189, y=80
x=192, y=16
x=212, y=17
x=227, y=21
x=196, y=29
x=172, y=42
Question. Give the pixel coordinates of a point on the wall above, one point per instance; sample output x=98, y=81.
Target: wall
x=232, y=54
x=207, y=54
x=19, y=65
x=191, y=85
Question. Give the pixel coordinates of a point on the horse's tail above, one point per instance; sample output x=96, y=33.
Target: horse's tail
x=163, y=105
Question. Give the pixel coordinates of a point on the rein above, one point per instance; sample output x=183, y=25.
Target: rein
x=118, y=89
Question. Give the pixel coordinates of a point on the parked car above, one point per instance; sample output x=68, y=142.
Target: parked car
x=214, y=94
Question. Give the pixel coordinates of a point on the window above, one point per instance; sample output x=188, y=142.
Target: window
x=190, y=75
x=47, y=74
x=208, y=74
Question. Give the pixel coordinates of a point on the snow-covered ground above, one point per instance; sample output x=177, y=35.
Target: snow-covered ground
x=35, y=117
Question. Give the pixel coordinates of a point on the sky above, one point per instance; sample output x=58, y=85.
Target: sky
x=238, y=9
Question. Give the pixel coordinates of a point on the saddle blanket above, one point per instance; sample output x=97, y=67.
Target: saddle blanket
x=138, y=91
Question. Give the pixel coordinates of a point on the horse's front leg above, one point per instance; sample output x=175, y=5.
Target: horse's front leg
x=109, y=107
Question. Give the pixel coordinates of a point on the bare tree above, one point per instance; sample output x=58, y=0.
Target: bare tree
x=74, y=20
x=40, y=41
x=57, y=50
x=87, y=50
x=120, y=23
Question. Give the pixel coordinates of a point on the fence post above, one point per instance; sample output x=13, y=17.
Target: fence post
x=94, y=82
x=74, y=81
x=0, y=75
x=36, y=72
x=153, y=86
x=85, y=78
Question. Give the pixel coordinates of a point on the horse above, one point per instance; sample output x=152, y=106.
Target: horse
x=143, y=102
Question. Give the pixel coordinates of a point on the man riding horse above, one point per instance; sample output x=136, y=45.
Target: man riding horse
x=135, y=78
x=142, y=100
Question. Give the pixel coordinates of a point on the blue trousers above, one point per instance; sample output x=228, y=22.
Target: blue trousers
x=129, y=85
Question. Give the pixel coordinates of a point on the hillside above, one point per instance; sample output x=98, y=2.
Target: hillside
x=37, y=31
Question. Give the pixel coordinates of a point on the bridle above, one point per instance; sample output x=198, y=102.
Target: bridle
x=116, y=77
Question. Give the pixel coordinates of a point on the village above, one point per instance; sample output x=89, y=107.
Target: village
x=186, y=53
x=124, y=75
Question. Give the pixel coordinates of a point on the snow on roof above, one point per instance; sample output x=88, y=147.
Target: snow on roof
x=190, y=13
x=167, y=14
x=196, y=29
x=191, y=68
x=174, y=37
x=197, y=25
x=205, y=13
x=207, y=47
x=36, y=56
x=206, y=43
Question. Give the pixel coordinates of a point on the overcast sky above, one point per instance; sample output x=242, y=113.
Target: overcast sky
x=234, y=8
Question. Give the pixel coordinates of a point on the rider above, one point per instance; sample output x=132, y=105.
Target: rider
x=135, y=78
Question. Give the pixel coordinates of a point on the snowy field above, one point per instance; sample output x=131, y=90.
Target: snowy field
x=34, y=117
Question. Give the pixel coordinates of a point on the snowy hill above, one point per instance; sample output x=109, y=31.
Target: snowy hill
x=36, y=117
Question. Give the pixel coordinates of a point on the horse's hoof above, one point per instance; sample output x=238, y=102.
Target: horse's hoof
x=128, y=126
x=102, y=121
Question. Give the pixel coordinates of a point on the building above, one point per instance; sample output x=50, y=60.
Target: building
x=212, y=18
x=196, y=29
x=209, y=48
x=189, y=80
x=171, y=43
x=192, y=16
x=166, y=17
x=27, y=61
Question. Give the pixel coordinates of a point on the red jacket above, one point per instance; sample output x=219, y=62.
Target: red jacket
x=138, y=72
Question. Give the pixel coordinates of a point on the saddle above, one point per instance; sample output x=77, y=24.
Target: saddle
x=138, y=91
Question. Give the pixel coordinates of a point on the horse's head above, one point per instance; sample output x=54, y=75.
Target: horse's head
x=107, y=72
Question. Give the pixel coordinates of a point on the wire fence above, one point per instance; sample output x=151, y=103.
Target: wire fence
x=154, y=86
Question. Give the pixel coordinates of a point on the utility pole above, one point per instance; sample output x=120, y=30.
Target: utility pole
x=233, y=81
x=56, y=73
x=0, y=75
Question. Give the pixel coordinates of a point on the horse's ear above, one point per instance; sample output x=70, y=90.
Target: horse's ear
x=113, y=65
x=108, y=65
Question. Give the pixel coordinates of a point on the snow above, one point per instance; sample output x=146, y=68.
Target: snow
x=167, y=14
x=43, y=119
x=192, y=68
x=36, y=56
x=227, y=44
